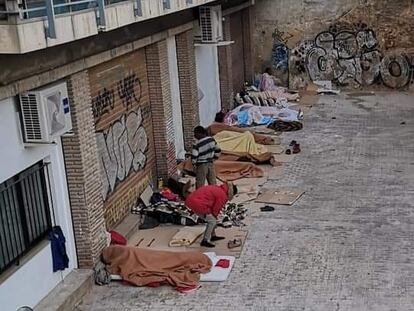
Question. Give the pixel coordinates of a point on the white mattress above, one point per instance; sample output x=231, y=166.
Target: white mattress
x=217, y=274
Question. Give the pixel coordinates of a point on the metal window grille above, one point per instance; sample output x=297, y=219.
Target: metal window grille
x=24, y=213
x=188, y=2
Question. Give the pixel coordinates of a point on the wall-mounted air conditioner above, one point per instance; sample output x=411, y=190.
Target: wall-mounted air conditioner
x=45, y=114
x=210, y=25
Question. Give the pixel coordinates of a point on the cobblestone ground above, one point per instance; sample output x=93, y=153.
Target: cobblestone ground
x=347, y=244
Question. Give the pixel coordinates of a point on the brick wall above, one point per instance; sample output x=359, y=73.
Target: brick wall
x=237, y=50
x=161, y=108
x=188, y=85
x=82, y=171
x=247, y=44
x=225, y=69
x=123, y=124
x=235, y=60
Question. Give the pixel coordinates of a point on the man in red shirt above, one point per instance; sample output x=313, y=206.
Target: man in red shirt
x=207, y=202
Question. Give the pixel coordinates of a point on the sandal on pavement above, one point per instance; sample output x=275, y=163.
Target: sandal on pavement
x=296, y=148
x=234, y=243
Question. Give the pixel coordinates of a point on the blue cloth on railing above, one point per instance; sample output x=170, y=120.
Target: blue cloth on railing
x=57, y=244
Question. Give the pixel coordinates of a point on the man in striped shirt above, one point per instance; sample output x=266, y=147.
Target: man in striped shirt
x=205, y=151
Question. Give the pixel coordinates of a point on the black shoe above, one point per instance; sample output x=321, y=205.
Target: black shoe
x=267, y=208
x=206, y=244
x=217, y=238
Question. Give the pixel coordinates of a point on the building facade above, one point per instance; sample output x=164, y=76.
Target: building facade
x=138, y=80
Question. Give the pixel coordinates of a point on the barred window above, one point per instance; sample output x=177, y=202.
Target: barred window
x=24, y=213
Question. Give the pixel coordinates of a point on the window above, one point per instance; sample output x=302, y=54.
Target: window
x=166, y=4
x=24, y=213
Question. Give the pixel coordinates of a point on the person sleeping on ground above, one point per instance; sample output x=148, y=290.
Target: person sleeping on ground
x=219, y=126
x=207, y=202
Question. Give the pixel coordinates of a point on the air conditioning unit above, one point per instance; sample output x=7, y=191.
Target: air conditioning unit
x=210, y=24
x=45, y=114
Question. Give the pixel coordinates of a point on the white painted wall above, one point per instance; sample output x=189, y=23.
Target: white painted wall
x=175, y=98
x=35, y=279
x=208, y=82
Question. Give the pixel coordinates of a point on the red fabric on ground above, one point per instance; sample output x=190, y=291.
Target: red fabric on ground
x=187, y=289
x=117, y=238
x=223, y=263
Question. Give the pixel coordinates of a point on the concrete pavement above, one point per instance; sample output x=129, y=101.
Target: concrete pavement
x=347, y=244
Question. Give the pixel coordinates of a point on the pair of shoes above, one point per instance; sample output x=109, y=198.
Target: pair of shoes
x=206, y=244
x=217, y=238
x=267, y=208
x=234, y=243
x=296, y=148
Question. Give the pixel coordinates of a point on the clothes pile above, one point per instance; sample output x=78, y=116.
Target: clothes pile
x=232, y=215
x=162, y=210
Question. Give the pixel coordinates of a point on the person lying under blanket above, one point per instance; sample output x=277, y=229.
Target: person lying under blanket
x=219, y=126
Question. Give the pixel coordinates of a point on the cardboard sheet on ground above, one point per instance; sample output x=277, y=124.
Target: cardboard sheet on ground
x=244, y=197
x=160, y=237
x=284, y=158
x=146, y=196
x=221, y=246
x=186, y=236
x=273, y=173
x=280, y=196
x=275, y=149
x=246, y=193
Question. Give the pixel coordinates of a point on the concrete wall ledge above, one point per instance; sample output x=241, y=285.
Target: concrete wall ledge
x=66, y=295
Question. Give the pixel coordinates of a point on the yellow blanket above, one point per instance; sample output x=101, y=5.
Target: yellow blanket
x=186, y=236
x=239, y=142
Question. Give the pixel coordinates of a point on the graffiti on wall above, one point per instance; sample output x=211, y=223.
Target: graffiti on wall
x=280, y=56
x=280, y=51
x=128, y=89
x=122, y=149
x=350, y=56
x=123, y=144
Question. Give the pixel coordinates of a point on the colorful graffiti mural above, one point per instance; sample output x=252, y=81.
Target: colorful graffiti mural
x=350, y=55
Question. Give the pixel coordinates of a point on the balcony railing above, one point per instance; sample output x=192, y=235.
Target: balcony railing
x=28, y=25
